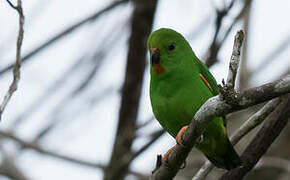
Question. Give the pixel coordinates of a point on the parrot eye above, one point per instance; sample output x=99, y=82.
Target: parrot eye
x=171, y=46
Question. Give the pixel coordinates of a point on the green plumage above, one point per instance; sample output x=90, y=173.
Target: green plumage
x=177, y=91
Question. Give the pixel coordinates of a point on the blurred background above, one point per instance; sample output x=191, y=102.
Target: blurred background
x=82, y=108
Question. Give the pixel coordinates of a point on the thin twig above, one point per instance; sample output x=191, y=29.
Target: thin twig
x=217, y=44
x=203, y=171
x=272, y=127
x=249, y=125
x=12, y=5
x=16, y=69
x=39, y=149
x=235, y=59
x=65, y=32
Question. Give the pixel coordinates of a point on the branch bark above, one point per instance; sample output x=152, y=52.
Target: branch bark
x=16, y=67
x=142, y=21
x=271, y=129
x=235, y=59
x=249, y=125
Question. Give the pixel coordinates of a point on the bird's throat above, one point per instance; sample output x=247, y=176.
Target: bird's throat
x=158, y=68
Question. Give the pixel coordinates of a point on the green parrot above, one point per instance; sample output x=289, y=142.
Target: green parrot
x=180, y=83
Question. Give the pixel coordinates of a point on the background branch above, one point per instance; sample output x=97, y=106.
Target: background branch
x=65, y=32
x=16, y=67
x=249, y=125
x=142, y=21
x=271, y=129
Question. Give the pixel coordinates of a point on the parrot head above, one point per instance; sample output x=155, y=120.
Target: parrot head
x=167, y=51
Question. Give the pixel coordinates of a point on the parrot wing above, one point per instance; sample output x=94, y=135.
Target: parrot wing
x=209, y=81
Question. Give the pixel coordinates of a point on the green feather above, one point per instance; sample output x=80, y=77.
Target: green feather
x=178, y=91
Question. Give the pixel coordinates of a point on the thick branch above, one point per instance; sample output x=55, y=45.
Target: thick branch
x=249, y=125
x=16, y=67
x=271, y=129
x=142, y=20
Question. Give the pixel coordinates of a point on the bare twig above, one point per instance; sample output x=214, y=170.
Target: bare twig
x=154, y=137
x=65, y=32
x=96, y=59
x=203, y=171
x=235, y=59
x=218, y=39
x=270, y=130
x=12, y=5
x=16, y=69
x=255, y=120
x=249, y=125
x=39, y=149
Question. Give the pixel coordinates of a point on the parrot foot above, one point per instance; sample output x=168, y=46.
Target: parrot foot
x=165, y=156
x=179, y=135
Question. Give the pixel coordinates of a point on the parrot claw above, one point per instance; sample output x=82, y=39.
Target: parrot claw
x=165, y=158
x=179, y=135
x=166, y=155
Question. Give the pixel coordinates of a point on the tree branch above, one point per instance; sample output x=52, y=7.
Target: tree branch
x=16, y=67
x=9, y=168
x=65, y=32
x=41, y=150
x=249, y=125
x=235, y=59
x=142, y=20
x=216, y=43
x=271, y=129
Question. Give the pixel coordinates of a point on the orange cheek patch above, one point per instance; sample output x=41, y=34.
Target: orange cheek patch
x=158, y=68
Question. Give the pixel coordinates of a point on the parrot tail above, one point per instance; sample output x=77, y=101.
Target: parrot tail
x=229, y=160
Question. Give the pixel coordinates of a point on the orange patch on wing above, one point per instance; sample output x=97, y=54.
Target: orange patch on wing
x=205, y=81
x=158, y=68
